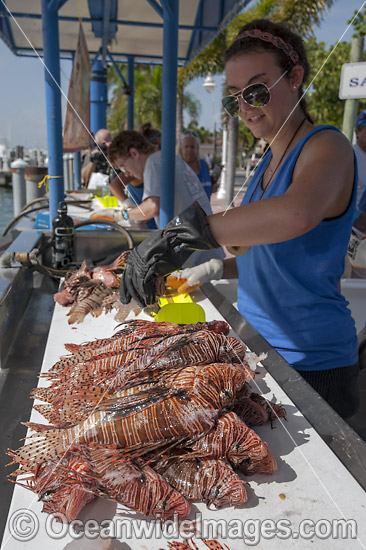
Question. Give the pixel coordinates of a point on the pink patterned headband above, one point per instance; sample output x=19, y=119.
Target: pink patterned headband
x=275, y=40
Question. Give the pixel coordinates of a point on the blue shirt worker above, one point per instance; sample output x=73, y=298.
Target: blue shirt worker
x=292, y=229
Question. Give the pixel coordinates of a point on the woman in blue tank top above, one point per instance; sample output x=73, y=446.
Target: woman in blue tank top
x=294, y=222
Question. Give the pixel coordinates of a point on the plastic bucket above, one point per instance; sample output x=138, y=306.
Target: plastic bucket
x=354, y=290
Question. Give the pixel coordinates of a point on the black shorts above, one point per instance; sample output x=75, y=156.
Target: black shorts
x=338, y=387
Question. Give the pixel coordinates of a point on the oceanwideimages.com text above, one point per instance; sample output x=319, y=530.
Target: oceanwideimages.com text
x=24, y=525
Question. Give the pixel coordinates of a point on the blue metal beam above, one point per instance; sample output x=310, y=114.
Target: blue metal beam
x=122, y=54
x=55, y=5
x=237, y=6
x=113, y=22
x=196, y=22
x=105, y=36
x=167, y=10
x=98, y=97
x=96, y=55
x=116, y=68
x=53, y=107
x=168, y=123
x=6, y=32
x=156, y=6
x=222, y=7
x=124, y=60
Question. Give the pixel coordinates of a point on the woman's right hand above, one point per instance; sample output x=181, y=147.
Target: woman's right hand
x=163, y=252
x=197, y=275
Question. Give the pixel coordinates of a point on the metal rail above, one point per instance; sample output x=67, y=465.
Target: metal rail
x=335, y=432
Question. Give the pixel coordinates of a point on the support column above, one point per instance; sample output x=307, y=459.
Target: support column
x=169, y=96
x=51, y=50
x=221, y=193
x=351, y=105
x=98, y=97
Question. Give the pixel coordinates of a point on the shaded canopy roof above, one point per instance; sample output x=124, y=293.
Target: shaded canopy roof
x=127, y=27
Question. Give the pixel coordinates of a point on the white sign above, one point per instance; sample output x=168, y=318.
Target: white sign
x=353, y=81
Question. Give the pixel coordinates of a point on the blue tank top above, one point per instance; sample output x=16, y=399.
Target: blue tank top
x=289, y=291
x=205, y=178
x=136, y=192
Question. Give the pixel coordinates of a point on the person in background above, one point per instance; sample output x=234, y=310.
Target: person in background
x=132, y=152
x=189, y=150
x=103, y=138
x=152, y=135
x=294, y=222
x=209, y=161
x=360, y=152
x=125, y=186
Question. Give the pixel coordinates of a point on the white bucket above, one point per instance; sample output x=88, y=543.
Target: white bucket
x=354, y=290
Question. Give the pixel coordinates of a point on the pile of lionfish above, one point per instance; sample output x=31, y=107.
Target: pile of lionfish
x=154, y=417
x=94, y=290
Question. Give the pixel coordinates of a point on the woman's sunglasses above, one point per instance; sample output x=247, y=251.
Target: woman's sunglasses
x=256, y=95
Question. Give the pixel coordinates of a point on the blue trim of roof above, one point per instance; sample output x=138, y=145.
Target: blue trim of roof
x=209, y=22
x=137, y=61
x=96, y=9
x=5, y=29
x=115, y=54
x=230, y=7
x=112, y=21
x=196, y=21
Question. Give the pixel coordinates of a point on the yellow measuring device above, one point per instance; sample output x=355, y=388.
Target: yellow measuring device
x=179, y=309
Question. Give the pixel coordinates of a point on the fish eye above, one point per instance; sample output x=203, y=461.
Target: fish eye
x=47, y=493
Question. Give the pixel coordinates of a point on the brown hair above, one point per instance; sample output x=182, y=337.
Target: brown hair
x=123, y=142
x=277, y=39
x=151, y=133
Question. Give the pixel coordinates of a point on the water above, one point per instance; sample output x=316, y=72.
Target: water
x=6, y=207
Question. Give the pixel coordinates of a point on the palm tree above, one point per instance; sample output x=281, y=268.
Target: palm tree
x=147, y=99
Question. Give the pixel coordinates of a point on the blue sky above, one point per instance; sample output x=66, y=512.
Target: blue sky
x=22, y=104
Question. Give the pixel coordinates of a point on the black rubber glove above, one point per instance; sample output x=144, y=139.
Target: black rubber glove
x=164, y=252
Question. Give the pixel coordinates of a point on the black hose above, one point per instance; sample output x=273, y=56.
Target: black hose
x=20, y=215
x=115, y=226
x=39, y=199
x=119, y=228
x=25, y=212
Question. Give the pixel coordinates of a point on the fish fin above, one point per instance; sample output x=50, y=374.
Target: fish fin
x=72, y=348
x=126, y=405
x=46, y=447
x=43, y=394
